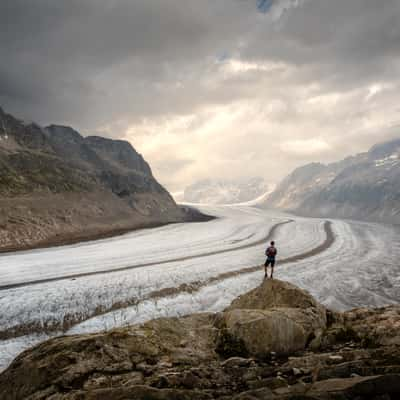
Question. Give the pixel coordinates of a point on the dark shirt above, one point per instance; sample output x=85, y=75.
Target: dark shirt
x=271, y=252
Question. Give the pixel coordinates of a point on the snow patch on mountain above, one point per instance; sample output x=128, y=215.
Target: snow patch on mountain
x=212, y=191
x=387, y=161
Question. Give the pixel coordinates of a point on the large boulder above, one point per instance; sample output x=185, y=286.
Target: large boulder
x=260, y=332
x=273, y=293
x=275, y=317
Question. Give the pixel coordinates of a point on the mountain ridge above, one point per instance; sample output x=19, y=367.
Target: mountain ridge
x=57, y=186
x=365, y=186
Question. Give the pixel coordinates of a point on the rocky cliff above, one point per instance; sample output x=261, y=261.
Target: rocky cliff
x=276, y=342
x=57, y=186
x=366, y=186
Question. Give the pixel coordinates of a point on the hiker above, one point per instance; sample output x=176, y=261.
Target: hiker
x=271, y=253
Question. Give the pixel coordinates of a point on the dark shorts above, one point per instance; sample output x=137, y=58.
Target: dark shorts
x=270, y=261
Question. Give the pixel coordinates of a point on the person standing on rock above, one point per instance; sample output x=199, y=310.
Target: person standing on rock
x=271, y=253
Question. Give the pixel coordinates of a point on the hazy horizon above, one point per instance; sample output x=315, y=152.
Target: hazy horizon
x=229, y=90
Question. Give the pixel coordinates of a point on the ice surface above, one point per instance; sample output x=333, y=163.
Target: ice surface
x=359, y=269
x=51, y=302
x=152, y=245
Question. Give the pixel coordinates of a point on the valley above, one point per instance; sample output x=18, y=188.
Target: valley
x=184, y=268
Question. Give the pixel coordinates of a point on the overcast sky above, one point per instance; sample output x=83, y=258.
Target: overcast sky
x=208, y=88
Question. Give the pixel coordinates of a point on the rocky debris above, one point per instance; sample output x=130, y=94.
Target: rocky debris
x=243, y=353
x=375, y=327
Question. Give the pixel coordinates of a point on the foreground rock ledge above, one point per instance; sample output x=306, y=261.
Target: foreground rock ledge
x=275, y=342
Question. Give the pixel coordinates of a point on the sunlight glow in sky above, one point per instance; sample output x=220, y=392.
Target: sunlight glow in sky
x=216, y=89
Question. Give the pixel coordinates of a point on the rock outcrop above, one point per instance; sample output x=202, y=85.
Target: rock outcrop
x=57, y=186
x=275, y=342
x=275, y=317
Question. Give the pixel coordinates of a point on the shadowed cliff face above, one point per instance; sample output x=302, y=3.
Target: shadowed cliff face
x=115, y=163
x=366, y=186
x=276, y=342
x=54, y=182
x=118, y=153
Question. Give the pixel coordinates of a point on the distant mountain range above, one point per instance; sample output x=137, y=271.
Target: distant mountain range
x=57, y=185
x=366, y=186
x=213, y=191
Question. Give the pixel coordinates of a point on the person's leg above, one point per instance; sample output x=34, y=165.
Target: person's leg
x=272, y=268
x=266, y=268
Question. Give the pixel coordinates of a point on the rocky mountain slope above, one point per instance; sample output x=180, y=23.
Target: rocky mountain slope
x=57, y=186
x=212, y=191
x=276, y=342
x=366, y=187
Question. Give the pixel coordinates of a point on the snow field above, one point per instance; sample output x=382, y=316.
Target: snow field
x=336, y=277
x=211, y=298
x=231, y=230
x=48, y=305
x=361, y=269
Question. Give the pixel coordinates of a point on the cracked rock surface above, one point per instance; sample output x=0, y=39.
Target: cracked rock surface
x=276, y=342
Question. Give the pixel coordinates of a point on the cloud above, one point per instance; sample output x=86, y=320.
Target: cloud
x=305, y=147
x=279, y=7
x=227, y=88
